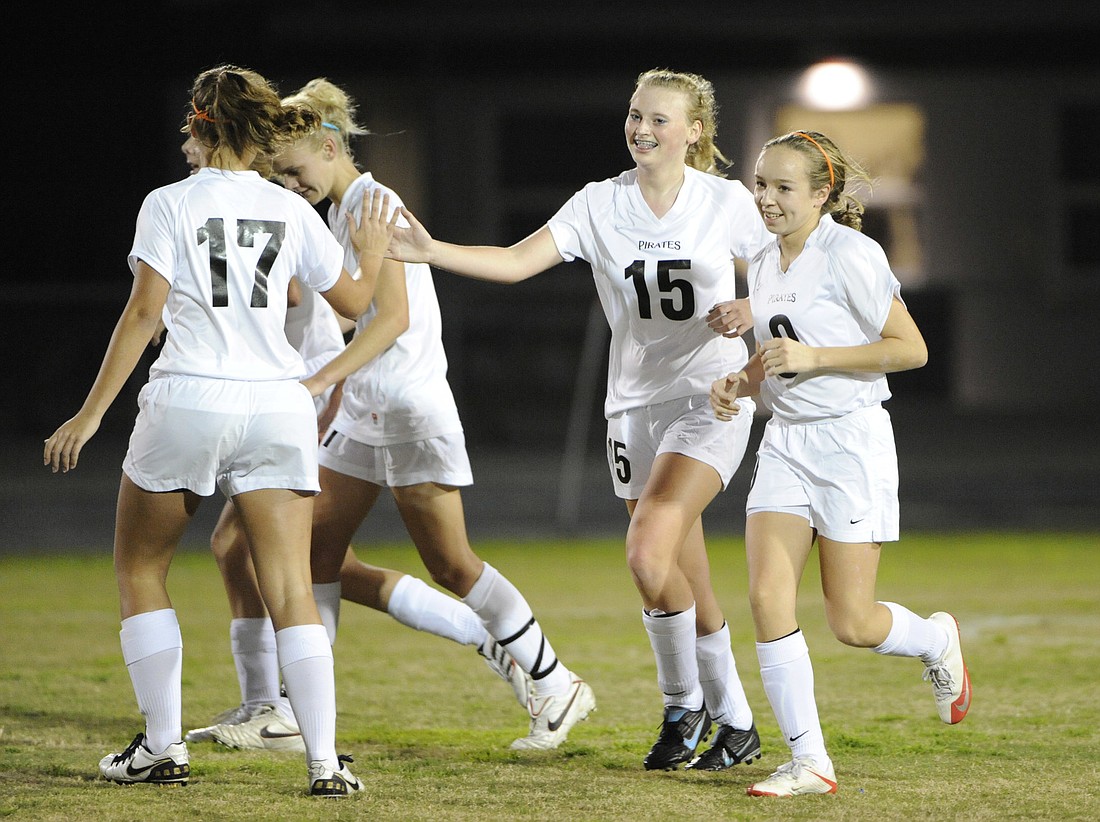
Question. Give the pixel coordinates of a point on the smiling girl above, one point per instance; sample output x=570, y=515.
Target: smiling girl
x=661, y=240
x=830, y=324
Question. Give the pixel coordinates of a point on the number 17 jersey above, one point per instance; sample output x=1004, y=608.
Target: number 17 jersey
x=658, y=278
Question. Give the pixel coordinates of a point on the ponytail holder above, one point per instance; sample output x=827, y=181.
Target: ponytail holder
x=201, y=113
x=828, y=162
x=330, y=125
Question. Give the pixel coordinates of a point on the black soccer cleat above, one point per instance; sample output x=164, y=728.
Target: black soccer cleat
x=681, y=733
x=731, y=747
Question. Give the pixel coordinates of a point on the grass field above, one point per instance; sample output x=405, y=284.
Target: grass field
x=429, y=725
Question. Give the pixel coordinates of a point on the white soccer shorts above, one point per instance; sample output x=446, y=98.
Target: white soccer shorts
x=441, y=460
x=683, y=426
x=841, y=474
x=203, y=434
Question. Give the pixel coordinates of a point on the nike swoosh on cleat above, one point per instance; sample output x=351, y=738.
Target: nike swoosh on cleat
x=554, y=724
x=962, y=704
x=132, y=771
x=266, y=734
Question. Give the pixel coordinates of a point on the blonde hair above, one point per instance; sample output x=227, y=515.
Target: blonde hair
x=829, y=167
x=336, y=109
x=703, y=155
x=237, y=111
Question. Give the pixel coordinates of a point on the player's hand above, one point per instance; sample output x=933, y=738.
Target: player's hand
x=371, y=233
x=62, y=449
x=412, y=244
x=724, y=393
x=782, y=357
x=730, y=319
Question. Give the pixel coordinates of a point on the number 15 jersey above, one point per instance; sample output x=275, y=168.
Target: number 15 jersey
x=658, y=278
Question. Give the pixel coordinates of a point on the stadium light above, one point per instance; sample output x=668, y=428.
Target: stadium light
x=835, y=85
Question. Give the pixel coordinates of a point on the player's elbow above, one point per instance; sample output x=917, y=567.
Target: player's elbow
x=396, y=322
x=915, y=356
x=350, y=304
x=401, y=322
x=920, y=355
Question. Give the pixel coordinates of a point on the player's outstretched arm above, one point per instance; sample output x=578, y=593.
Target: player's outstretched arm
x=498, y=264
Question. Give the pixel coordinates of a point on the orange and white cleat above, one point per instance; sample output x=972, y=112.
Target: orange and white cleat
x=948, y=675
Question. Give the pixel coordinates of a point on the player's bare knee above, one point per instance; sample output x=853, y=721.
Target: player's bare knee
x=852, y=631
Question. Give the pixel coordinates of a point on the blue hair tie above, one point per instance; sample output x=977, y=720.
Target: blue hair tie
x=330, y=125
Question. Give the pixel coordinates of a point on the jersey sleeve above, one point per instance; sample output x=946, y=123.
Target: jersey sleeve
x=154, y=239
x=868, y=283
x=322, y=255
x=571, y=227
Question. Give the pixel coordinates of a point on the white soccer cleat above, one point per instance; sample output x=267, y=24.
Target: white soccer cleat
x=230, y=716
x=268, y=729
x=802, y=775
x=502, y=664
x=948, y=675
x=332, y=780
x=553, y=716
x=138, y=764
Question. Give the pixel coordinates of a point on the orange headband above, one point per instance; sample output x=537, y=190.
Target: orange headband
x=201, y=114
x=828, y=162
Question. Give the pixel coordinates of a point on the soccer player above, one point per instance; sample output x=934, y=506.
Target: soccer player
x=263, y=719
x=398, y=427
x=830, y=324
x=213, y=255
x=661, y=239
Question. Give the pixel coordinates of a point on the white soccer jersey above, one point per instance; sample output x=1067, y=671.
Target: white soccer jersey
x=312, y=328
x=402, y=395
x=228, y=243
x=837, y=292
x=658, y=278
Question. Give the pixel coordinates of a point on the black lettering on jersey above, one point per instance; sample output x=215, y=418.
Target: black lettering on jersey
x=780, y=325
x=680, y=305
x=212, y=232
x=667, y=245
x=246, y=235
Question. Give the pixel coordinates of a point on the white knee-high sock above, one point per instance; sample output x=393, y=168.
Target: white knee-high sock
x=254, y=654
x=327, y=597
x=305, y=658
x=788, y=680
x=672, y=637
x=152, y=649
x=723, y=693
x=911, y=635
x=423, y=608
x=508, y=618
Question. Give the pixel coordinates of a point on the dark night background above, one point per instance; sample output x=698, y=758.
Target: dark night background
x=495, y=113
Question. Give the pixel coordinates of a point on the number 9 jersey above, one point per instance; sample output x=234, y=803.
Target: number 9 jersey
x=836, y=293
x=228, y=243
x=658, y=278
